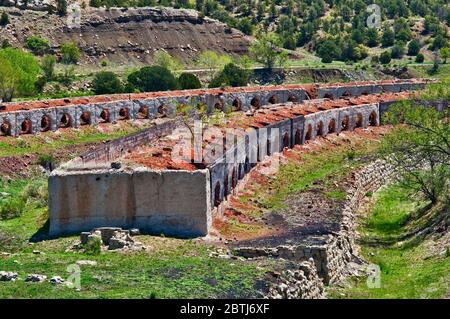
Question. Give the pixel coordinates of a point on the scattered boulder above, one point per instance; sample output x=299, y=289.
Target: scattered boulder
x=35, y=278
x=86, y=263
x=56, y=280
x=8, y=276
x=112, y=238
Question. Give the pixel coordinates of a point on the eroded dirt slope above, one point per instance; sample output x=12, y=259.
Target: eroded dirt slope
x=127, y=35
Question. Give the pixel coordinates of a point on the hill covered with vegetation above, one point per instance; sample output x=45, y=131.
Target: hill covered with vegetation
x=333, y=29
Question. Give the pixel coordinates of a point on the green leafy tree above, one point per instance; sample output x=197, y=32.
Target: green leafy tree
x=188, y=81
x=70, y=52
x=61, y=7
x=18, y=73
x=420, y=58
x=439, y=42
x=165, y=60
x=413, y=47
x=397, y=51
x=385, y=57
x=388, y=38
x=445, y=54
x=420, y=147
x=4, y=19
x=37, y=45
x=48, y=66
x=266, y=50
x=106, y=82
x=246, y=26
x=231, y=75
x=372, y=37
x=211, y=61
x=358, y=36
x=329, y=51
x=152, y=78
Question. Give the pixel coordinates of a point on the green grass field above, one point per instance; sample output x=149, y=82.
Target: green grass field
x=407, y=269
x=171, y=268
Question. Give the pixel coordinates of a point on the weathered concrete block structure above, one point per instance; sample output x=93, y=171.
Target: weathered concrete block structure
x=136, y=182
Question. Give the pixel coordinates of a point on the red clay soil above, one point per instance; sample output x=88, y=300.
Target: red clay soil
x=311, y=89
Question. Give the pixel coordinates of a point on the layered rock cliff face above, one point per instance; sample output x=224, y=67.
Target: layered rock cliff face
x=128, y=36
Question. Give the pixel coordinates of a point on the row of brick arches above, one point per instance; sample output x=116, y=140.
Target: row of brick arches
x=255, y=102
x=230, y=181
x=245, y=167
x=238, y=172
x=345, y=125
x=66, y=121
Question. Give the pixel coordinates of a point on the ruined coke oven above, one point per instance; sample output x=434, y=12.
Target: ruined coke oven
x=136, y=181
x=34, y=117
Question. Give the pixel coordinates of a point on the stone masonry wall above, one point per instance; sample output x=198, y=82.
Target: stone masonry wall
x=330, y=253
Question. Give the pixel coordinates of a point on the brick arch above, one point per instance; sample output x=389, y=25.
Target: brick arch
x=143, y=112
x=217, y=194
x=298, y=137
x=219, y=106
x=124, y=114
x=358, y=120
x=46, y=123
x=26, y=127
x=5, y=128
x=105, y=116
x=286, y=141
x=247, y=165
x=292, y=98
x=65, y=120
x=85, y=118
x=162, y=110
x=308, y=134
x=241, y=170
x=332, y=126
x=319, y=131
x=373, y=121
x=237, y=105
x=256, y=102
x=347, y=94
x=225, y=186
x=233, y=178
x=345, y=124
x=273, y=99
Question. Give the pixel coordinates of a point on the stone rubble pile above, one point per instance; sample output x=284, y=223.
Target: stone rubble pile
x=112, y=238
x=301, y=283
